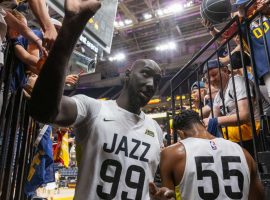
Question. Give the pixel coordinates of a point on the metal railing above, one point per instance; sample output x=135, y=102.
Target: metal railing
x=195, y=71
x=17, y=134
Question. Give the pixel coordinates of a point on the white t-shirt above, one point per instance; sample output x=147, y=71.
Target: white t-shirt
x=119, y=151
x=229, y=97
x=215, y=169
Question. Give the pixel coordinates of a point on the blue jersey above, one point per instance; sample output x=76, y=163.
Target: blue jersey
x=257, y=44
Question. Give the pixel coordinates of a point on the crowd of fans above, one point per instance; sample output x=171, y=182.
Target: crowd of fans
x=31, y=46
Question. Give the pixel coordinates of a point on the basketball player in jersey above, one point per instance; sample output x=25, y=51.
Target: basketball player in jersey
x=204, y=167
x=118, y=145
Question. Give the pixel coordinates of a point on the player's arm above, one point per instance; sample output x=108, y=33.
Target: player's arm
x=167, y=161
x=47, y=103
x=166, y=171
x=256, y=191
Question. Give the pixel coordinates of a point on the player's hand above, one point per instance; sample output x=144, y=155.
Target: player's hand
x=160, y=193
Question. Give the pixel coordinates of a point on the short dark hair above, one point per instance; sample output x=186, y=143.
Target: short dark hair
x=236, y=60
x=186, y=119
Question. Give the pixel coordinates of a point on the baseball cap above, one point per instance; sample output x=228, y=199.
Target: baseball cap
x=238, y=3
x=211, y=64
x=197, y=84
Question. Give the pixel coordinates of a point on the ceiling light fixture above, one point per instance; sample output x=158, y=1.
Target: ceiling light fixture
x=118, y=57
x=121, y=23
x=159, y=12
x=147, y=16
x=128, y=21
x=175, y=8
x=167, y=46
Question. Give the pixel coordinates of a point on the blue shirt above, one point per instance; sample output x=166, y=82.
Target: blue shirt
x=19, y=76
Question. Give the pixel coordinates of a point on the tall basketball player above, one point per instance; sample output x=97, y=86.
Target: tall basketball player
x=204, y=167
x=119, y=145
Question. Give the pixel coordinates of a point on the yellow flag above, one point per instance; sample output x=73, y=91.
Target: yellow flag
x=64, y=151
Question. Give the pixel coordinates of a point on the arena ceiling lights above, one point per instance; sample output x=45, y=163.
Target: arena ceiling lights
x=118, y=57
x=126, y=22
x=147, y=16
x=175, y=8
x=166, y=46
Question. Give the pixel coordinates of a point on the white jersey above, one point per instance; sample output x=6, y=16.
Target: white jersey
x=215, y=169
x=120, y=151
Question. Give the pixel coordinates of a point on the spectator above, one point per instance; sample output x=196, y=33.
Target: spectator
x=237, y=69
x=41, y=12
x=14, y=23
x=228, y=117
x=205, y=103
x=207, y=99
x=198, y=92
x=257, y=41
x=24, y=59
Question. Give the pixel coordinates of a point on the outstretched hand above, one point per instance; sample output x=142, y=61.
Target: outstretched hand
x=160, y=193
x=88, y=7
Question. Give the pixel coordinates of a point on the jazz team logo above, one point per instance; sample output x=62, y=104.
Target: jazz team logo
x=213, y=145
x=150, y=133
